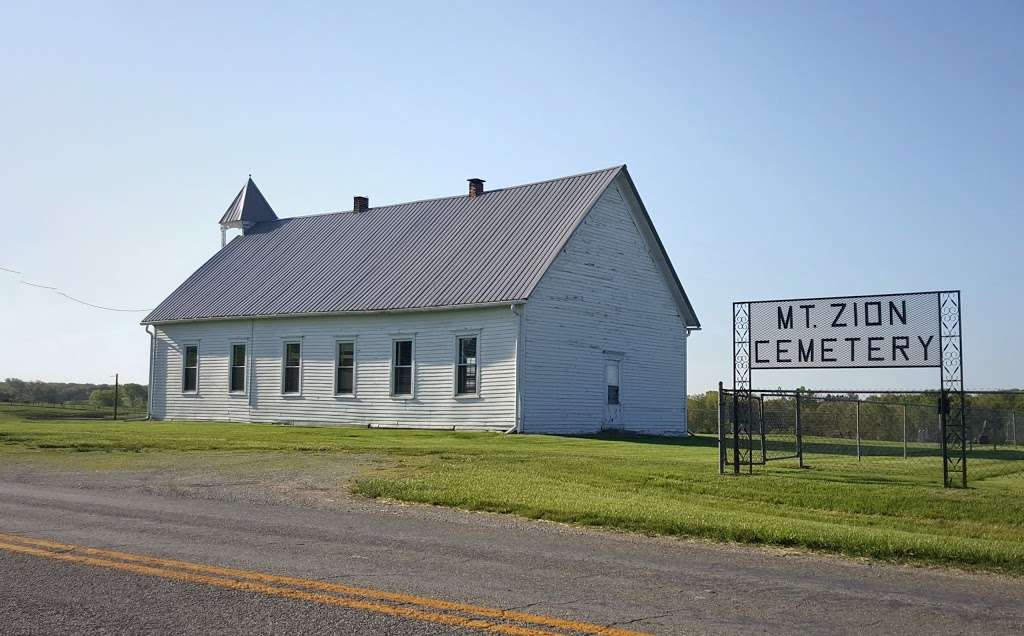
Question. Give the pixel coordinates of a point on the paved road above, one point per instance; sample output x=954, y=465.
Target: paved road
x=490, y=561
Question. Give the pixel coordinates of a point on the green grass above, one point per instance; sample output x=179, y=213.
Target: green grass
x=67, y=411
x=890, y=509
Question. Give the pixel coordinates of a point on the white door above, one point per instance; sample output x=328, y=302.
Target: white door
x=613, y=407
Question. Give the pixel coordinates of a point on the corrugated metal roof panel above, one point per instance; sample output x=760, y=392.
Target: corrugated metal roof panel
x=446, y=252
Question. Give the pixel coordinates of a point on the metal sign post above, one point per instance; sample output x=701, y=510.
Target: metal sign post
x=741, y=427
x=951, y=373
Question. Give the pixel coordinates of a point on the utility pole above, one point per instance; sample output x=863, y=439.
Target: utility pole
x=115, y=394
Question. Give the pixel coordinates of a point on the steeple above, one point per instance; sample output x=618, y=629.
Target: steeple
x=248, y=209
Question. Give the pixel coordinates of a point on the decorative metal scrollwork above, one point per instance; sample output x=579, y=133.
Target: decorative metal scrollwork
x=741, y=346
x=742, y=413
x=954, y=435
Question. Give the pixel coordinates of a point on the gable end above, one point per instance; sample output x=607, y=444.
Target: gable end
x=642, y=220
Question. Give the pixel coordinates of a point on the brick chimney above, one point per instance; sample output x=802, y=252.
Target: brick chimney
x=360, y=204
x=476, y=187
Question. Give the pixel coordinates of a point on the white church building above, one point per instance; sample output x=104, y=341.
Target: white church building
x=550, y=307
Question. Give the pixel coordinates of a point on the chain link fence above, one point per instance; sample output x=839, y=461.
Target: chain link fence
x=71, y=411
x=871, y=436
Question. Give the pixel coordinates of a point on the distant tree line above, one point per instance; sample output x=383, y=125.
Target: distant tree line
x=130, y=395
x=702, y=412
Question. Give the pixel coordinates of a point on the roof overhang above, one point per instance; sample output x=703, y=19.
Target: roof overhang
x=659, y=253
x=338, y=314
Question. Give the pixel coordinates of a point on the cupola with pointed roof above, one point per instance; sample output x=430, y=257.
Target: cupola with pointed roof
x=248, y=208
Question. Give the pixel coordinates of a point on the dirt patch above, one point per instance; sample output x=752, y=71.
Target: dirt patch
x=320, y=480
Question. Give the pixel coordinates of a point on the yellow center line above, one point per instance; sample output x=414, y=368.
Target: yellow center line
x=279, y=591
x=257, y=582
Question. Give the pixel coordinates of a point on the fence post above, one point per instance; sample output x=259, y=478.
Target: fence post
x=858, y=429
x=1013, y=426
x=904, y=431
x=750, y=432
x=115, y=393
x=721, y=432
x=760, y=419
x=799, y=433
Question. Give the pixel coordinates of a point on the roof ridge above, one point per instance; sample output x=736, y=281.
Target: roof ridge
x=443, y=252
x=457, y=196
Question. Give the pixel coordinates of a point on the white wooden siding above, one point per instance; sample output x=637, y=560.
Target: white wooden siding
x=433, y=406
x=604, y=293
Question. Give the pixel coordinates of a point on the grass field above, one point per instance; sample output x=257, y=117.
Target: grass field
x=653, y=486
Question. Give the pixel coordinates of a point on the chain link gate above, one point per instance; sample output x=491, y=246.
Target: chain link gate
x=756, y=429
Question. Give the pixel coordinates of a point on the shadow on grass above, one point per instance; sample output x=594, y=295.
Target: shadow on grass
x=56, y=414
x=884, y=448
x=659, y=440
x=999, y=454
x=822, y=473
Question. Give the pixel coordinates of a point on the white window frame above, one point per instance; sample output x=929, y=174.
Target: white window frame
x=339, y=340
x=245, y=366
x=284, y=354
x=199, y=363
x=412, y=367
x=455, y=365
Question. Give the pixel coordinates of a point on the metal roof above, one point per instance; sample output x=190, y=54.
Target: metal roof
x=248, y=207
x=433, y=254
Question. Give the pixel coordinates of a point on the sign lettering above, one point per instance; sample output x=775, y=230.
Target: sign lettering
x=898, y=330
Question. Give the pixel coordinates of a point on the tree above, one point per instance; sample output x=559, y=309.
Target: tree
x=104, y=398
x=135, y=395
x=702, y=412
x=15, y=390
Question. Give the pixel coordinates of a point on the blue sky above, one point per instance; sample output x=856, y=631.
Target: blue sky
x=783, y=149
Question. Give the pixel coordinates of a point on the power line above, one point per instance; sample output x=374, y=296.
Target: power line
x=60, y=292
x=25, y=282
x=88, y=304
